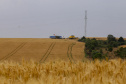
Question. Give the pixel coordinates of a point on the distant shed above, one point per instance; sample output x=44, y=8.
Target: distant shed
x=56, y=37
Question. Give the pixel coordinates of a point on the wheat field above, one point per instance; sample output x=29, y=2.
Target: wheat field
x=41, y=50
x=54, y=61
x=62, y=72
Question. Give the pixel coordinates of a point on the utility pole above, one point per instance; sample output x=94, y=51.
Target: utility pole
x=85, y=22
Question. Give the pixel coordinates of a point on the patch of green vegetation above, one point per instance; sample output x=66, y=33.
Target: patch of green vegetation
x=121, y=53
x=94, y=48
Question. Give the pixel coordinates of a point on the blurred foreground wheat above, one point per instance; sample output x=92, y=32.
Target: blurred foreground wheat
x=59, y=72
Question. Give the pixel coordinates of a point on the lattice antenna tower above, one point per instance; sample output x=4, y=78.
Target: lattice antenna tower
x=85, y=22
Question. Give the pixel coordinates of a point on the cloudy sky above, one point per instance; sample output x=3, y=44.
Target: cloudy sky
x=42, y=18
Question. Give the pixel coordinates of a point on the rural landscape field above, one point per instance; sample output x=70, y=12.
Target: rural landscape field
x=62, y=42
x=55, y=61
x=41, y=50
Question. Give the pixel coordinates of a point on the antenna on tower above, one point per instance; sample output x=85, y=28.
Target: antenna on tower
x=85, y=21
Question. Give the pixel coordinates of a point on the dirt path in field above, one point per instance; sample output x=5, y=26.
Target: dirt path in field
x=78, y=52
x=45, y=56
x=13, y=52
x=69, y=52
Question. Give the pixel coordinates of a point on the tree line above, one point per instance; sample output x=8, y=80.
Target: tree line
x=94, y=48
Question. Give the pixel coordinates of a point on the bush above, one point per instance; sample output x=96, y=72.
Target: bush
x=96, y=55
x=110, y=49
x=121, y=52
x=101, y=51
x=114, y=44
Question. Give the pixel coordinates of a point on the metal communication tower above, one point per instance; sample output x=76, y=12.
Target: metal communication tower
x=85, y=21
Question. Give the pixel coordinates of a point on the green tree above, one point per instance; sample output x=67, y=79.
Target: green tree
x=94, y=42
x=121, y=41
x=111, y=38
x=83, y=39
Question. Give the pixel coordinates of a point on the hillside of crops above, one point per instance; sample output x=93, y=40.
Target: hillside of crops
x=41, y=50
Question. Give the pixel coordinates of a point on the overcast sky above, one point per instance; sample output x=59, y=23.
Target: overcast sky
x=42, y=18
